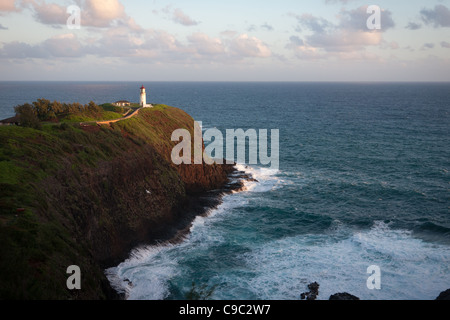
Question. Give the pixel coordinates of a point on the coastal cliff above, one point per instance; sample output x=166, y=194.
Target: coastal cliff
x=86, y=195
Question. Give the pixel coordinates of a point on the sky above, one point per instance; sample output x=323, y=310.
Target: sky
x=233, y=40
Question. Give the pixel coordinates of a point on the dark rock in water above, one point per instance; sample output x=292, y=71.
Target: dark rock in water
x=445, y=295
x=128, y=282
x=312, y=293
x=343, y=296
x=314, y=288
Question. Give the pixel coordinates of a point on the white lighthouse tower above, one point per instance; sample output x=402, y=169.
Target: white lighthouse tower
x=143, y=101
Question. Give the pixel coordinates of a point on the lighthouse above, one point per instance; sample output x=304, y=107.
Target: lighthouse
x=143, y=101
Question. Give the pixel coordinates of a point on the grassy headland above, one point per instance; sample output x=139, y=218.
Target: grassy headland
x=82, y=195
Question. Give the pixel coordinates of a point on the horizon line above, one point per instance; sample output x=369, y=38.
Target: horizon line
x=240, y=81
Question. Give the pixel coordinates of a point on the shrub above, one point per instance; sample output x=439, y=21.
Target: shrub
x=27, y=116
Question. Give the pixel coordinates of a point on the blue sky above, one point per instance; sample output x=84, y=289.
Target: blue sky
x=204, y=40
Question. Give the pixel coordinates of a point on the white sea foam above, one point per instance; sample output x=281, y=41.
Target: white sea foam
x=410, y=268
x=266, y=178
x=127, y=278
x=281, y=269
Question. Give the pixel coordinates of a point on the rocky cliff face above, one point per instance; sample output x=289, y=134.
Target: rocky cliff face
x=98, y=192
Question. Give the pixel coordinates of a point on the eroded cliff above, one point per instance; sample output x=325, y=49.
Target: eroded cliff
x=86, y=195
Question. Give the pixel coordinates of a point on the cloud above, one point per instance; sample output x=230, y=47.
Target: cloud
x=101, y=13
x=345, y=40
x=64, y=45
x=21, y=50
x=246, y=46
x=357, y=19
x=206, y=45
x=267, y=26
x=251, y=28
x=337, y=1
x=311, y=53
x=349, y=34
x=428, y=46
x=413, y=26
x=61, y=46
x=393, y=45
x=438, y=17
x=181, y=18
x=155, y=46
x=121, y=37
x=303, y=51
x=295, y=41
x=116, y=42
x=228, y=33
x=8, y=6
x=445, y=44
x=202, y=47
x=49, y=13
x=178, y=16
x=94, y=13
x=315, y=24
x=121, y=42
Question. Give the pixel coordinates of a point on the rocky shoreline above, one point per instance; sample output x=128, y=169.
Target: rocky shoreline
x=196, y=204
x=313, y=292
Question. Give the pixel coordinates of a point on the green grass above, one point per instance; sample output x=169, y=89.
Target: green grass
x=113, y=108
x=105, y=115
x=109, y=115
x=155, y=125
x=10, y=173
x=78, y=118
x=38, y=244
x=30, y=155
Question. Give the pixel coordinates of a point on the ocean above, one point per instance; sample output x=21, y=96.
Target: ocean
x=363, y=181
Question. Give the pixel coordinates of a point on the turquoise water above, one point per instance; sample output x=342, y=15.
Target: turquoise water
x=363, y=180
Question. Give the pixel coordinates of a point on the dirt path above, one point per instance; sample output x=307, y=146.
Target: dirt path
x=115, y=120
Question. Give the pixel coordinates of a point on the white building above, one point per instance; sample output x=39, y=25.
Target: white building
x=143, y=100
x=122, y=103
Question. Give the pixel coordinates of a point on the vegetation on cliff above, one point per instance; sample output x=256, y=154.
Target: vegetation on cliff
x=77, y=194
x=31, y=115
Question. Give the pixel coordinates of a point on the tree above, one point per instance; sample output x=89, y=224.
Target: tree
x=92, y=108
x=42, y=108
x=27, y=116
x=78, y=107
x=57, y=107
